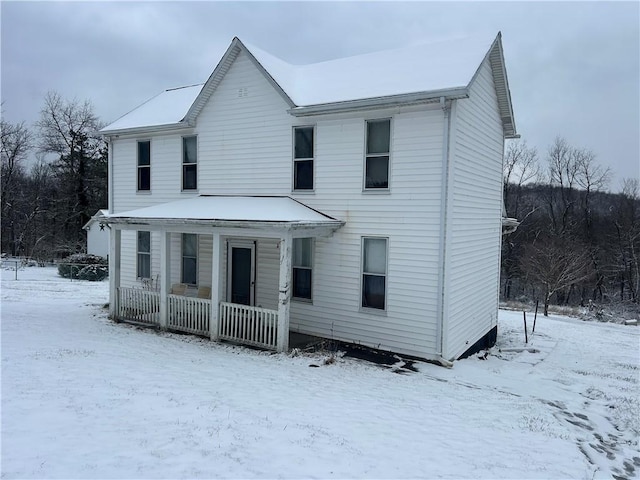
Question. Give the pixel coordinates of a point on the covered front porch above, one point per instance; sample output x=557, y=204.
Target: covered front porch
x=243, y=259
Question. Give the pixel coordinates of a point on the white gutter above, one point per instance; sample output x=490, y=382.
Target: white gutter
x=115, y=220
x=146, y=129
x=444, y=191
x=381, y=102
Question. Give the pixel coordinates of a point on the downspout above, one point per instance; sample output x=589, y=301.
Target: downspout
x=444, y=193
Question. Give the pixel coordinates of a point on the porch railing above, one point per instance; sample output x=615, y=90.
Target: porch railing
x=138, y=305
x=249, y=325
x=189, y=314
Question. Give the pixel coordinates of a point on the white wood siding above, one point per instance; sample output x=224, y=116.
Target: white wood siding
x=244, y=148
x=408, y=216
x=98, y=240
x=474, y=218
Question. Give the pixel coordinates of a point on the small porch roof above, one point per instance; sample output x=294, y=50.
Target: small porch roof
x=259, y=212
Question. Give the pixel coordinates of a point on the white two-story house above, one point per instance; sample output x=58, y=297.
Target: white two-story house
x=358, y=199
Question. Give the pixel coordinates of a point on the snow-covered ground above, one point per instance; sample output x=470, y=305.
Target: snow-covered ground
x=83, y=397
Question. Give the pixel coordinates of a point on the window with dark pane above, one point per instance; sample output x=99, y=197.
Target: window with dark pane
x=301, y=262
x=144, y=255
x=189, y=163
x=144, y=165
x=189, y=258
x=377, y=156
x=374, y=272
x=303, y=149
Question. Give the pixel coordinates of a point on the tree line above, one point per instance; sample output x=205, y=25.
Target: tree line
x=45, y=204
x=577, y=243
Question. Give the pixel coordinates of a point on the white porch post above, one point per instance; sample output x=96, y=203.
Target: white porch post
x=284, y=292
x=114, y=270
x=214, y=320
x=165, y=277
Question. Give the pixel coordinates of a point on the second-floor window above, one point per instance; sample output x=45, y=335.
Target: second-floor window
x=144, y=255
x=376, y=169
x=189, y=163
x=144, y=165
x=303, y=158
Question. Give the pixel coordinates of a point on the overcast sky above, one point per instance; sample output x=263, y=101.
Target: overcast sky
x=573, y=67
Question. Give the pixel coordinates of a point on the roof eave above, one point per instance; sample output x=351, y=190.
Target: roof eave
x=501, y=82
x=214, y=223
x=405, y=99
x=148, y=129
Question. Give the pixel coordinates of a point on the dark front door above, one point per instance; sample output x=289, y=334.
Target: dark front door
x=241, y=270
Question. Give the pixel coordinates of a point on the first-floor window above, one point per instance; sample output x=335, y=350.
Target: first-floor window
x=302, y=267
x=189, y=258
x=374, y=272
x=144, y=255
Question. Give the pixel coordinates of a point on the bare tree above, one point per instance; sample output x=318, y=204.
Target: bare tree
x=561, y=176
x=555, y=263
x=16, y=142
x=627, y=239
x=69, y=130
x=520, y=167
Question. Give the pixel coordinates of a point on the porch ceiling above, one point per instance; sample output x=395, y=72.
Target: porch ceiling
x=257, y=212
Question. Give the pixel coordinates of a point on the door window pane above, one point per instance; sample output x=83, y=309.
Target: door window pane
x=241, y=275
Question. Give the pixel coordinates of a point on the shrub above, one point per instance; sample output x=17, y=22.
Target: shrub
x=94, y=273
x=76, y=266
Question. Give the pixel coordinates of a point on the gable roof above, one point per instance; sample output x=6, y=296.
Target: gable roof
x=415, y=74
x=94, y=219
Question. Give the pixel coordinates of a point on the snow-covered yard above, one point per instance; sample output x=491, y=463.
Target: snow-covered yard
x=83, y=397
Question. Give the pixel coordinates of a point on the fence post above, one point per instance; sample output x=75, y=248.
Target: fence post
x=526, y=336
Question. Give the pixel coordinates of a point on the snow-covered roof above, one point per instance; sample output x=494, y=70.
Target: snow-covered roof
x=419, y=68
x=414, y=73
x=165, y=109
x=220, y=210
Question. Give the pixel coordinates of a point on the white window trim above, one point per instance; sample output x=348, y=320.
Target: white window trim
x=182, y=256
x=372, y=310
x=138, y=166
x=312, y=268
x=182, y=165
x=293, y=156
x=138, y=253
x=366, y=156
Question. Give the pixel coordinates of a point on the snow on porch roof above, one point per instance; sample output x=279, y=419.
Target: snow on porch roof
x=216, y=209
